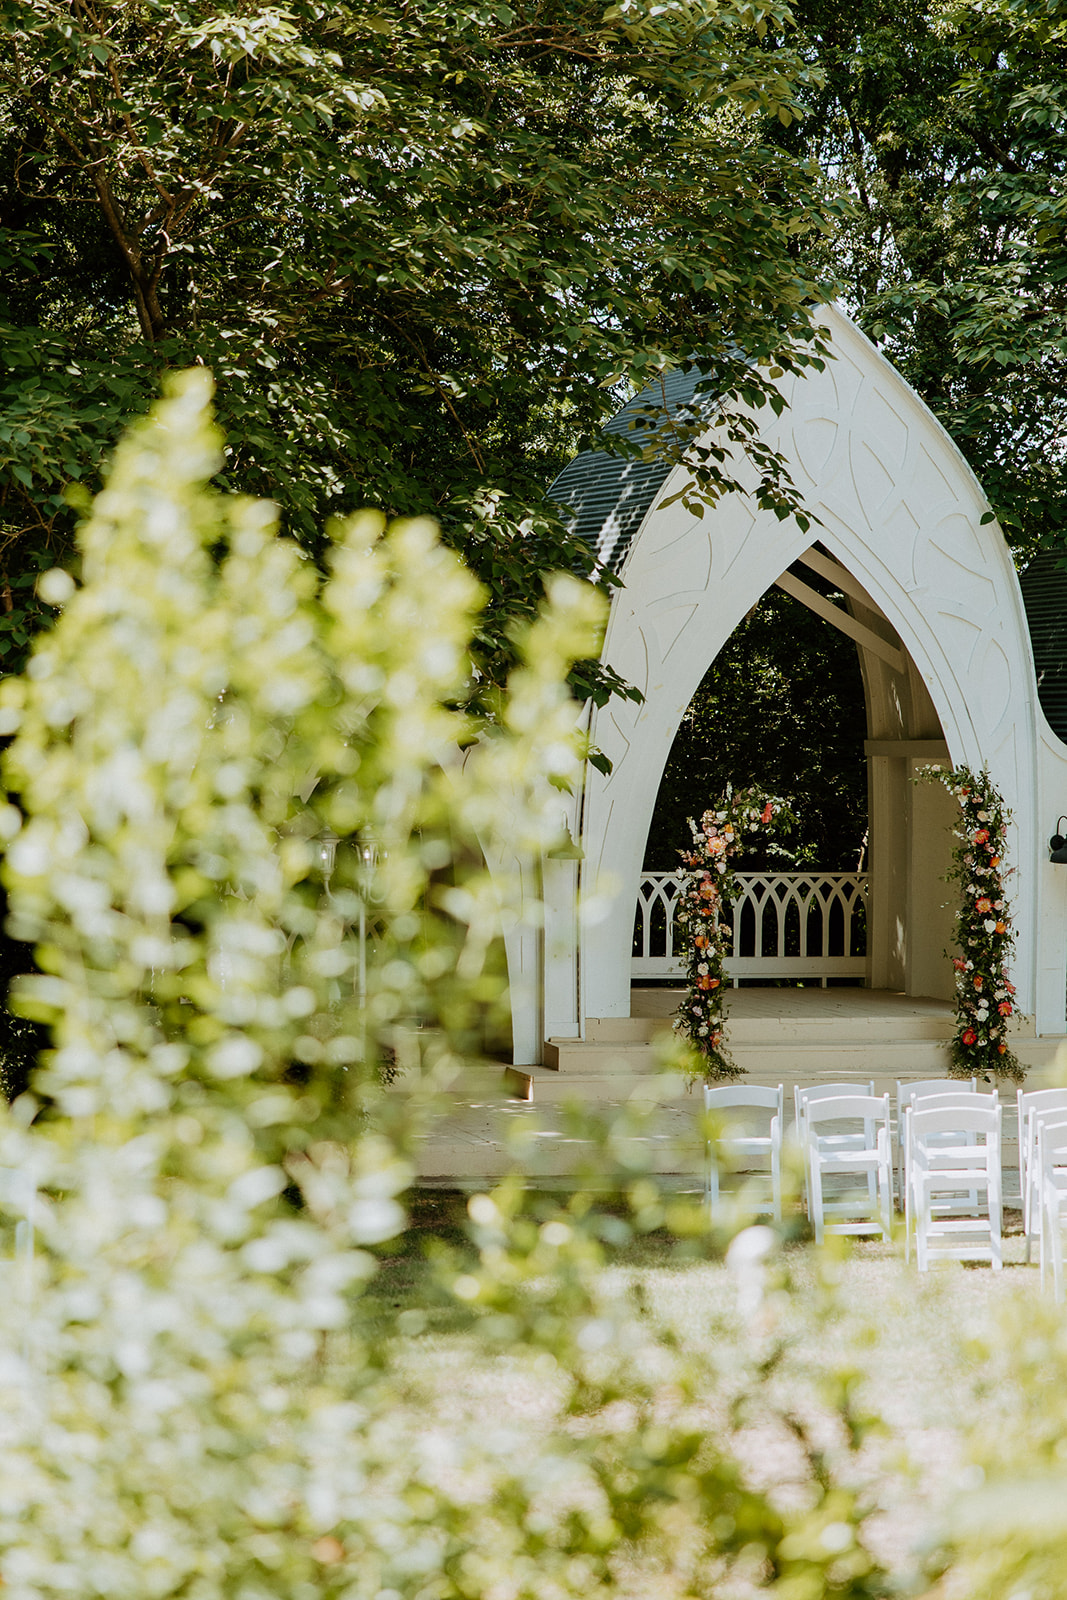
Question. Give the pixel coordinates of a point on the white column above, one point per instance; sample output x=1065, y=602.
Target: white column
x=562, y=1017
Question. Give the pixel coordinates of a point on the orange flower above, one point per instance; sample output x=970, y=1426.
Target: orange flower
x=1002, y=927
x=1001, y=1049
x=981, y=835
x=704, y=983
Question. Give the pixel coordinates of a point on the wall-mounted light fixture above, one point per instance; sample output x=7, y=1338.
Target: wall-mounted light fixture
x=1058, y=843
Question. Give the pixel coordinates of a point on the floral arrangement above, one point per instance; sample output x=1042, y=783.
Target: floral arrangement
x=985, y=996
x=717, y=839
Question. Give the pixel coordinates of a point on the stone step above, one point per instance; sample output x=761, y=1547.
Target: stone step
x=483, y=1080
x=860, y=1030
x=542, y=1085
x=578, y=1055
x=545, y=1086
x=818, y=1056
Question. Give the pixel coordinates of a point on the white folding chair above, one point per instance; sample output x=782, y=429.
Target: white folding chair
x=823, y=1091
x=741, y=1106
x=828, y=1121
x=911, y=1094
x=966, y=1202
x=1051, y=1164
x=942, y=1160
x=1034, y=1106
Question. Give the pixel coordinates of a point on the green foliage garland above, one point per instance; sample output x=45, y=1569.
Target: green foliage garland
x=985, y=996
x=717, y=840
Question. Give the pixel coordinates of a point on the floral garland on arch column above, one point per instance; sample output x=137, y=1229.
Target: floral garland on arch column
x=708, y=883
x=985, y=996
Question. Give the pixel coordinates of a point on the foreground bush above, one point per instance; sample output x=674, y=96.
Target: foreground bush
x=194, y=1400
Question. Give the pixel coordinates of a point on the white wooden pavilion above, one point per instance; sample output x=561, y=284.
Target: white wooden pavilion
x=947, y=654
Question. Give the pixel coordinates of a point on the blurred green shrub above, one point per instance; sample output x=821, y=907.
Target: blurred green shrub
x=1006, y=1532
x=193, y=1401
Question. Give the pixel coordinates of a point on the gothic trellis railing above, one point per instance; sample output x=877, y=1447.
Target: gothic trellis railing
x=785, y=925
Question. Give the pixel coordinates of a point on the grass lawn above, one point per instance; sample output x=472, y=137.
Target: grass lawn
x=914, y=1346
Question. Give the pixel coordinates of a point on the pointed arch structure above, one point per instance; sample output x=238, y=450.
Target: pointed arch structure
x=944, y=647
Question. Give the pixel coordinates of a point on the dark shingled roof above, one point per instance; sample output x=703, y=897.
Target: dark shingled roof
x=608, y=496
x=1044, y=587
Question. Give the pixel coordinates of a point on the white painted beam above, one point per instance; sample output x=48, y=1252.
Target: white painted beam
x=838, y=575
x=841, y=619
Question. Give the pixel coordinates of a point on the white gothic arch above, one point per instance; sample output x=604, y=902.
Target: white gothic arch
x=902, y=512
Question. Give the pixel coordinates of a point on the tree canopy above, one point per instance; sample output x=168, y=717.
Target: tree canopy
x=944, y=130
x=424, y=251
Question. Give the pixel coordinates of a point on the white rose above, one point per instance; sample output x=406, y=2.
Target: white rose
x=989, y=926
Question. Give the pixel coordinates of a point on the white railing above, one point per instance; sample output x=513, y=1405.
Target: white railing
x=784, y=924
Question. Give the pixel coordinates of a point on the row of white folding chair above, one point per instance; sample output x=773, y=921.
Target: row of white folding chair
x=848, y=1133
x=730, y=1099
x=744, y=1106
x=907, y=1094
x=1050, y=1160
x=740, y=1141
x=727, y=1097
x=942, y=1156
x=1034, y=1106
